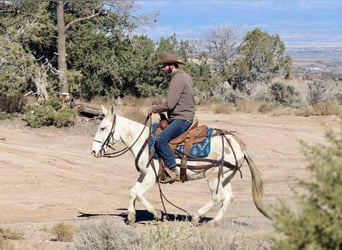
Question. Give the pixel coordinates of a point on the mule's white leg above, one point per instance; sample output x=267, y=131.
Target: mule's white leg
x=222, y=196
x=215, y=199
x=143, y=184
x=228, y=198
x=203, y=211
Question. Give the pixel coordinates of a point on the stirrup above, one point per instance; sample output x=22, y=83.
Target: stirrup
x=171, y=178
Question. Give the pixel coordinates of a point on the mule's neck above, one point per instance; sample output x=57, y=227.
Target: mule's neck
x=130, y=131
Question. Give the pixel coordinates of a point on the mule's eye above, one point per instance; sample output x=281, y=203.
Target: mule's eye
x=103, y=128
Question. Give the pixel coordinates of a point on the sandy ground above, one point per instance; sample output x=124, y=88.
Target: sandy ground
x=48, y=175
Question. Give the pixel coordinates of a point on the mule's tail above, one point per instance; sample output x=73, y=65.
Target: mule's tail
x=257, y=186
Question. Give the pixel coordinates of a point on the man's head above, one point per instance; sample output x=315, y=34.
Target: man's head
x=170, y=63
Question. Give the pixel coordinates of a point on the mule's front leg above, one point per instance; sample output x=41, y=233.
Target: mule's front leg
x=131, y=214
x=143, y=184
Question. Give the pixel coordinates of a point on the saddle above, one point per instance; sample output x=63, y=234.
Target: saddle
x=194, y=134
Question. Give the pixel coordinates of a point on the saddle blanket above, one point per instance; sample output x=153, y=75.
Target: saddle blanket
x=200, y=149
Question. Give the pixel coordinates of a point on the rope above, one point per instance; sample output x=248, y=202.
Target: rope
x=163, y=196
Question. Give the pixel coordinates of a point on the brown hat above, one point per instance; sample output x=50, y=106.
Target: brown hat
x=170, y=58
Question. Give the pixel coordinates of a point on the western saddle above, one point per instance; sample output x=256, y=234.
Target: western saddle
x=194, y=134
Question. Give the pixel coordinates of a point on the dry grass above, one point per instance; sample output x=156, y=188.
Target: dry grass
x=248, y=106
x=134, y=113
x=6, y=235
x=222, y=108
x=135, y=108
x=320, y=109
x=104, y=234
x=63, y=232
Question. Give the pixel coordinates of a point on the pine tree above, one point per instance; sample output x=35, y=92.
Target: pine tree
x=318, y=222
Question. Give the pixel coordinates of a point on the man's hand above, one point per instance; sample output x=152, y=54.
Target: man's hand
x=149, y=111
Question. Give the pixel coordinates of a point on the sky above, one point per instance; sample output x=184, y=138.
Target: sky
x=316, y=22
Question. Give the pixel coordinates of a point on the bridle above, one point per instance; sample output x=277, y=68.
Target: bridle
x=110, y=138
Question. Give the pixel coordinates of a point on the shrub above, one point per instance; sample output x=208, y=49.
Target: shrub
x=12, y=103
x=4, y=116
x=248, y=106
x=284, y=94
x=339, y=98
x=63, y=232
x=326, y=108
x=317, y=90
x=167, y=235
x=10, y=234
x=55, y=103
x=39, y=115
x=267, y=107
x=183, y=235
x=5, y=235
x=106, y=234
x=317, y=224
x=46, y=115
x=222, y=108
x=64, y=118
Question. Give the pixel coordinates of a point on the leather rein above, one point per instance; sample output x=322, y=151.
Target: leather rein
x=110, y=136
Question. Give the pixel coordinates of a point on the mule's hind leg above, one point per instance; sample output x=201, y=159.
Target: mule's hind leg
x=203, y=211
x=143, y=184
x=215, y=199
x=222, y=195
x=227, y=194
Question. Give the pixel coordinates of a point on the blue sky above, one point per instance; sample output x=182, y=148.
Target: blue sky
x=296, y=22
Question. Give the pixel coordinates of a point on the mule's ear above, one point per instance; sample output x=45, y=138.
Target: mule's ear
x=104, y=110
x=112, y=109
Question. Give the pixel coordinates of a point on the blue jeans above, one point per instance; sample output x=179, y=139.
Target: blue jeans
x=175, y=128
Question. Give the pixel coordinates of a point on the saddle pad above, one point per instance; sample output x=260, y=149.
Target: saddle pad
x=200, y=149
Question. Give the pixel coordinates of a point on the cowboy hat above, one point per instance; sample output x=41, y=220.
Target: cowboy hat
x=170, y=58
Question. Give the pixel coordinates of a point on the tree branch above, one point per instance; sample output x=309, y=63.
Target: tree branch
x=84, y=18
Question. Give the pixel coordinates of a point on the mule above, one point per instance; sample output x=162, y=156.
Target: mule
x=229, y=154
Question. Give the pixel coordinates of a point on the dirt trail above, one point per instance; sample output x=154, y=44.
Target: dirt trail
x=48, y=175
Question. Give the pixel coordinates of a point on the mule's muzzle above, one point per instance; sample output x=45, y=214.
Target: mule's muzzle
x=96, y=155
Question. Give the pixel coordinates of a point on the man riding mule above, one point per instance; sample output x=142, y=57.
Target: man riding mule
x=194, y=143
x=225, y=158
x=180, y=108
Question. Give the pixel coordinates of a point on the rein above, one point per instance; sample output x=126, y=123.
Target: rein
x=106, y=142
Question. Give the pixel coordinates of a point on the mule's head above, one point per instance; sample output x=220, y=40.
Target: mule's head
x=105, y=134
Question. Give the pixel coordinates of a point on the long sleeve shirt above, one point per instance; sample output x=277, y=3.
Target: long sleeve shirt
x=180, y=102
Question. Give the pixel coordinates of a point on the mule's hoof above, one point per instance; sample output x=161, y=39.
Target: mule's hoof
x=195, y=220
x=130, y=219
x=158, y=215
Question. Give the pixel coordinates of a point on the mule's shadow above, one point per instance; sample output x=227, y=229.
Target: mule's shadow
x=143, y=217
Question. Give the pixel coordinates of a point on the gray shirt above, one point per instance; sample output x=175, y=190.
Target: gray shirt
x=180, y=102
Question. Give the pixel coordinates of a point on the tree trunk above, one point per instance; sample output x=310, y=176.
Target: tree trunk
x=61, y=49
x=89, y=110
x=40, y=81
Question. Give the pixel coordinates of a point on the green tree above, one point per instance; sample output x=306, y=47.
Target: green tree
x=44, y=24
x=318, y=222
x=18, y=31
x=110, y=14
x=262, y=56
